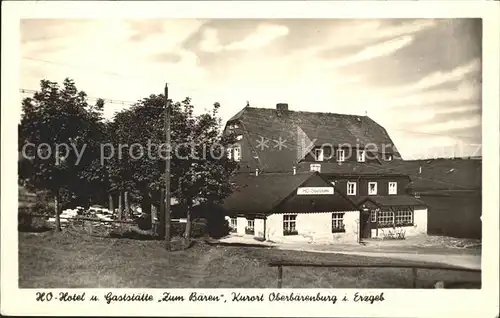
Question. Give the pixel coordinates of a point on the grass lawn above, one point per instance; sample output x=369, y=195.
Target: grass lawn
x=66, y=260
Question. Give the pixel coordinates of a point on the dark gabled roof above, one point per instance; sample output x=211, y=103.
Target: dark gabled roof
x=428, y=174
x=441, y=174
x=352, y=168
x=325, y=128
x=388, y=201
x=263, y=192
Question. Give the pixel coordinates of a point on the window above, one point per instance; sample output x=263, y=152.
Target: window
x=237, y=153
x=372, y=188
x=351, y=188
x=289, y=224
x=239, y=137
x=315, y=167
x=340, y=155
x=373, y=215
x=234, y=223
x=417, y=195
x=388, y=157
x=229, y=153
x=361, y=156
x=318, y=154
x=393, y=188
x=338, y=222
x=404, y=217
x=250, y=227
x=385, y=218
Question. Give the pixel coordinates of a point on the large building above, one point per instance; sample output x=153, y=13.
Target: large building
x=348, y=157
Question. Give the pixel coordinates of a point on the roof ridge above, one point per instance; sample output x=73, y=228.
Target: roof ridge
x=309, y=112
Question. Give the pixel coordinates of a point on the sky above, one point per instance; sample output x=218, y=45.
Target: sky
x=420, y=79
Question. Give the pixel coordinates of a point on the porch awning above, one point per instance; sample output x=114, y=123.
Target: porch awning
x=394, y=200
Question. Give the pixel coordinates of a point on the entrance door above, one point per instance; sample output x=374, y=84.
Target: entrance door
x=365, y=225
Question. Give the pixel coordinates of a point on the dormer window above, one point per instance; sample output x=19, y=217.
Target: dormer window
x=237, y=153
x=340, y=155
x=318, y=154
x=393, y=188
x=351, y=188
x=315, y=167
x=361, y=156
x=234, y=153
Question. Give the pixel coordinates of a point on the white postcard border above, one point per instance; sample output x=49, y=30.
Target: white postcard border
x=416, y=303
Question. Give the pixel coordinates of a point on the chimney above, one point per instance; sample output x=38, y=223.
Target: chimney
x=294, y=170
x=256, y=171
x=282, y=107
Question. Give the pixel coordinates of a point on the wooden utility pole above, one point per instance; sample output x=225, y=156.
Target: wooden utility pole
x=111, y=205
x=127, y=205
x=120, y=205
x=167, y=171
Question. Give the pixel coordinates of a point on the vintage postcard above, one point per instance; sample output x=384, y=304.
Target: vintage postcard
x=250, y=159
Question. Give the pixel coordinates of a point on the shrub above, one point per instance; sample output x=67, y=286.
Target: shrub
x=29, y=223
x=144, y=223
x=395, y=234
x=219, y=227
x=199, y=228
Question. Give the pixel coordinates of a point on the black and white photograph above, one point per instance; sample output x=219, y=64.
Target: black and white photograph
x=278, y=160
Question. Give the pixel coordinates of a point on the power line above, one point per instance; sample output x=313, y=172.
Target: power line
x=106, y=100
x=146, y=78
x=129, y=103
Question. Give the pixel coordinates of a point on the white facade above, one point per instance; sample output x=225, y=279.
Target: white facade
x=241, y=223
x=316, y=227
x=311, y=227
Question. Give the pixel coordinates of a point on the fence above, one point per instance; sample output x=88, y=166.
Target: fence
x=414, y=268
x=100, y=227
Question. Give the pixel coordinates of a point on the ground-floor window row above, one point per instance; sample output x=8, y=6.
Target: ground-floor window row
x=390, y=218
x=290, y=224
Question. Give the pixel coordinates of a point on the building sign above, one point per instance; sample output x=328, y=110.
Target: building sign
x=315, y=191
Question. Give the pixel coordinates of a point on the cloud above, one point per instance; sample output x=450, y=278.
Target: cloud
x=355, y=33
x=210, y=41
x=448, y=126
x=443, y=77
x=104, y=62
x=466, y=91
x=263, y=35
x=260, y=37
x=425, y=116
x=378, y=50
x=440, y=102
x=403, y=29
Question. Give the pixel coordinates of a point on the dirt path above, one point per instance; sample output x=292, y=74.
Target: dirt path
x=468, y=258
x=467, y=261
x=199, y=270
